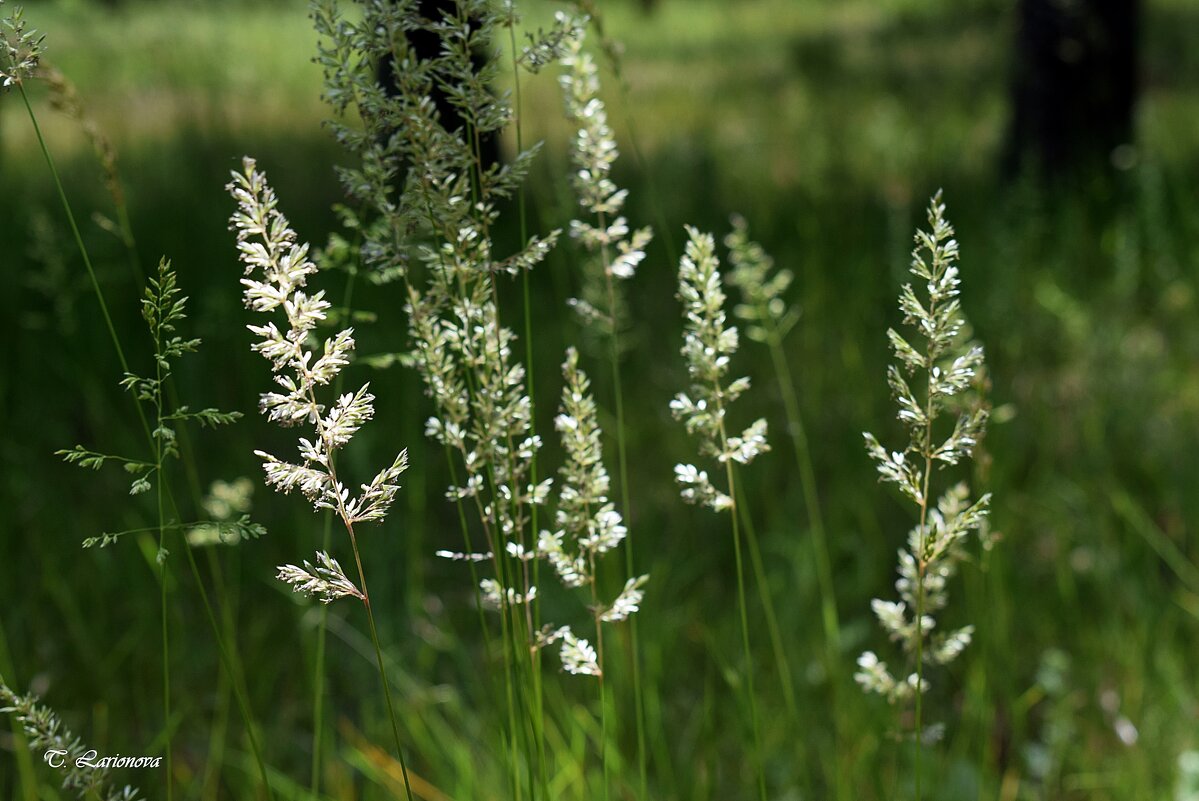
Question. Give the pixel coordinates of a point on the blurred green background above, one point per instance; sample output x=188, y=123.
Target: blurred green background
x=828, y=125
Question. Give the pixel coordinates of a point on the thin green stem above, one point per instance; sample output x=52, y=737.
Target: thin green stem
x=782, y=662
x=538, y=712
x=318, y=684
x=820, y=549
x=227, y=663
x=159, y=478
x=534, y=604
x=807, y=475
x=921, y=564
x=87, y=261
x=748, y=655
x=625, y=506
x=370, y=616
x=599, y=646
x=120, y=351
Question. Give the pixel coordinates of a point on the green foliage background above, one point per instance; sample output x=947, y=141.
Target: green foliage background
x=827, y=125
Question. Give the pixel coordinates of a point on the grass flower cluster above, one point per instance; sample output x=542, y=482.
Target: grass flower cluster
x=945, y=367
x=277, y=268
x=412, y=89
x=607, y=234
x=709, y=344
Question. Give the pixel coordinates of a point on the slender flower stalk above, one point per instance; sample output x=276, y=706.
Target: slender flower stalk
x=20, y=52
x=768, y=319
x=277, y=269
x=617, y=252
x=946, y=366
x=163, y=308
x=587, y=527
x=708, y=346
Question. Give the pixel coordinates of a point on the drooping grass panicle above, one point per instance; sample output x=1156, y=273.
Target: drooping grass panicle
x=47, y=733
x=943, y=365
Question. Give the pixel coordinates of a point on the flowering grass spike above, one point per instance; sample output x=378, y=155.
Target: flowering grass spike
x=945, y=367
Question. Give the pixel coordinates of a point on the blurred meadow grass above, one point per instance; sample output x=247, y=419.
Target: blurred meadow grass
x=825, y=124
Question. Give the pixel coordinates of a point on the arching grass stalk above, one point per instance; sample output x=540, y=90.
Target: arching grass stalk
x=280, y=268
x=948, y=365
x=708, y=346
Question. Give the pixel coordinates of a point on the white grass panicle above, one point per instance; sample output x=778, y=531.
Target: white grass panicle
x=587, y=523
x=944, y=367
x=20, y=49
x=46, y=733
x=708, y=346
x=277, y=268
x=434, y=235
x=618, y=250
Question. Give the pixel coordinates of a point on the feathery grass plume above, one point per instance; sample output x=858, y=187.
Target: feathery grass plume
x=945, y=367
x=48, y=734
x=20, y=49
x=708, y=346
x=615, y=254
x=587, y=527
x=616, y=250
x=439, y=226
x=277, y=269
x=428, y=204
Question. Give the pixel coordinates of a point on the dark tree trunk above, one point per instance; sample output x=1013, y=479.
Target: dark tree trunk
x=1075, y=85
